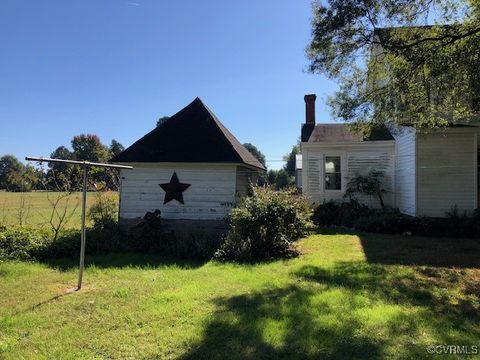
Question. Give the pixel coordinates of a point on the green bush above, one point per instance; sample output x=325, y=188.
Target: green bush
x=340, y=214
x=98, y=240
x=391, y=221
x=104, y=212
x=21, y=243
x=386, y=223
x=265, y=225
x=150, y=236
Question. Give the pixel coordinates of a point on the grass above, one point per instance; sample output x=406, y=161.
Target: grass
x=34, y=209
x=348, y=296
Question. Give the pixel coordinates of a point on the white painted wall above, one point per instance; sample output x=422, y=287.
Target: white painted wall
x=405, y=174
x=355, y=158
x=209, y=197
x=245, y=176
x=446, y=171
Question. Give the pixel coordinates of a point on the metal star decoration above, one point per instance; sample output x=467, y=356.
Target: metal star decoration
x=174, y=189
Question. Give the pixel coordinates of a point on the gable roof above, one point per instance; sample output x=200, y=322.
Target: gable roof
x=335, y=133
x=193, y=135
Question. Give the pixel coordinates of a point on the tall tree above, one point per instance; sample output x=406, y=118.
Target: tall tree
x=89, y=147
x=162, y=119
x=291, y=159
x=115, y=147
x=257, y=153
x=11, y=173
x=423, y=76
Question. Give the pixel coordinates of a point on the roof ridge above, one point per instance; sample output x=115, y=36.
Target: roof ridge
x=193, y=134
x=230, y=137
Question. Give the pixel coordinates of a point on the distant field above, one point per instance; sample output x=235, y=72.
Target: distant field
x=34, y=209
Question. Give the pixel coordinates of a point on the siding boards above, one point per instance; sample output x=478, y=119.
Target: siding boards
x=357, y=158
x=209, y=197
x=362, y=162
x=446, y=175
x=405, y=165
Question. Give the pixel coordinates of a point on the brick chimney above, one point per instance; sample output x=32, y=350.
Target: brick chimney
x=309, y=125
x=310, y=108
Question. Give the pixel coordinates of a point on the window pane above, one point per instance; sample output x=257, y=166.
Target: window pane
x=333, y=175
x=332, y=164
x=333, y=181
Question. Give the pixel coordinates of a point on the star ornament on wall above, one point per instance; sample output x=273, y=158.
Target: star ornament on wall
x=174, y=189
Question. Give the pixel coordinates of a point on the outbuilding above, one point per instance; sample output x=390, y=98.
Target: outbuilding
x=190, y=167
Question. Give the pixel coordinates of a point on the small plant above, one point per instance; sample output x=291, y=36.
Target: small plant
x=104, y=212
x=265, y=225
x=372, y=184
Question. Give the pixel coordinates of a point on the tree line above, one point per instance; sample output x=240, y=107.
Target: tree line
x=16, y=176
x=281, y=178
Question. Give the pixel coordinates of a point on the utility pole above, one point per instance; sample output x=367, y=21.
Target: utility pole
x=85, y=166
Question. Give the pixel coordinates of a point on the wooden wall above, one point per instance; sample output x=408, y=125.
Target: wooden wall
x=405, y=170
x=209, y=197
x=446, y=171
x=355, y=158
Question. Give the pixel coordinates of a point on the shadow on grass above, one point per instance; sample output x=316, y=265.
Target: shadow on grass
x=420, y=287
x=280, y=323
x=415, y=250
x=354, y=310
x=123, y=260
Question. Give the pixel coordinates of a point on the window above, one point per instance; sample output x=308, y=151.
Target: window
x=333, y=174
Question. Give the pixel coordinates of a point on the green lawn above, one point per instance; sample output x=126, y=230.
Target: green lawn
x=347, y=296
x=34, y=209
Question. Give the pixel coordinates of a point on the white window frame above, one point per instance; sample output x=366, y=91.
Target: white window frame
x=342, y=171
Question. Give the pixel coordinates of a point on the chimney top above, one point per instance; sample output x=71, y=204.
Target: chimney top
x=310, y=108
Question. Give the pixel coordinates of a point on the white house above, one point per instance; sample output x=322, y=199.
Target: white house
x=190, y=167
x=426, y=173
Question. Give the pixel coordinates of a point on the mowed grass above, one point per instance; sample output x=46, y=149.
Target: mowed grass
x=348, y=296
x=34, y=208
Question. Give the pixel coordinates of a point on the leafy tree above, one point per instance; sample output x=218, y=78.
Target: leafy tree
x=115, y=147
x=162, y=119
x=14, y=176
x=9, y=166
x=423, y=76
x=257, y=153
x=291, y=160
x=283, y=179
x=271, y=176
x=89, y=147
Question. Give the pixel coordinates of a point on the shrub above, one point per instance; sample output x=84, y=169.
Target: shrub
x=341, y=214
x=358, y=216
x=21, y=243
x=67, y=244
x=104, y=212
x=151, y=236
x=386, y=223
x=265, y=225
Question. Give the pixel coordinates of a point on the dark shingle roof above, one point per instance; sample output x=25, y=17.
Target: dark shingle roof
x=194, y=134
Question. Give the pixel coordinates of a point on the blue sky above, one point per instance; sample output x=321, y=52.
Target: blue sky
x=114, y=67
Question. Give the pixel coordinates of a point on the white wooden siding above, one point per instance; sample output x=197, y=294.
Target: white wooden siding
x=361, y=162
x=355, y=158
x=446, y=172
x=245, y=176
x=405, y=165
x=209, y=197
